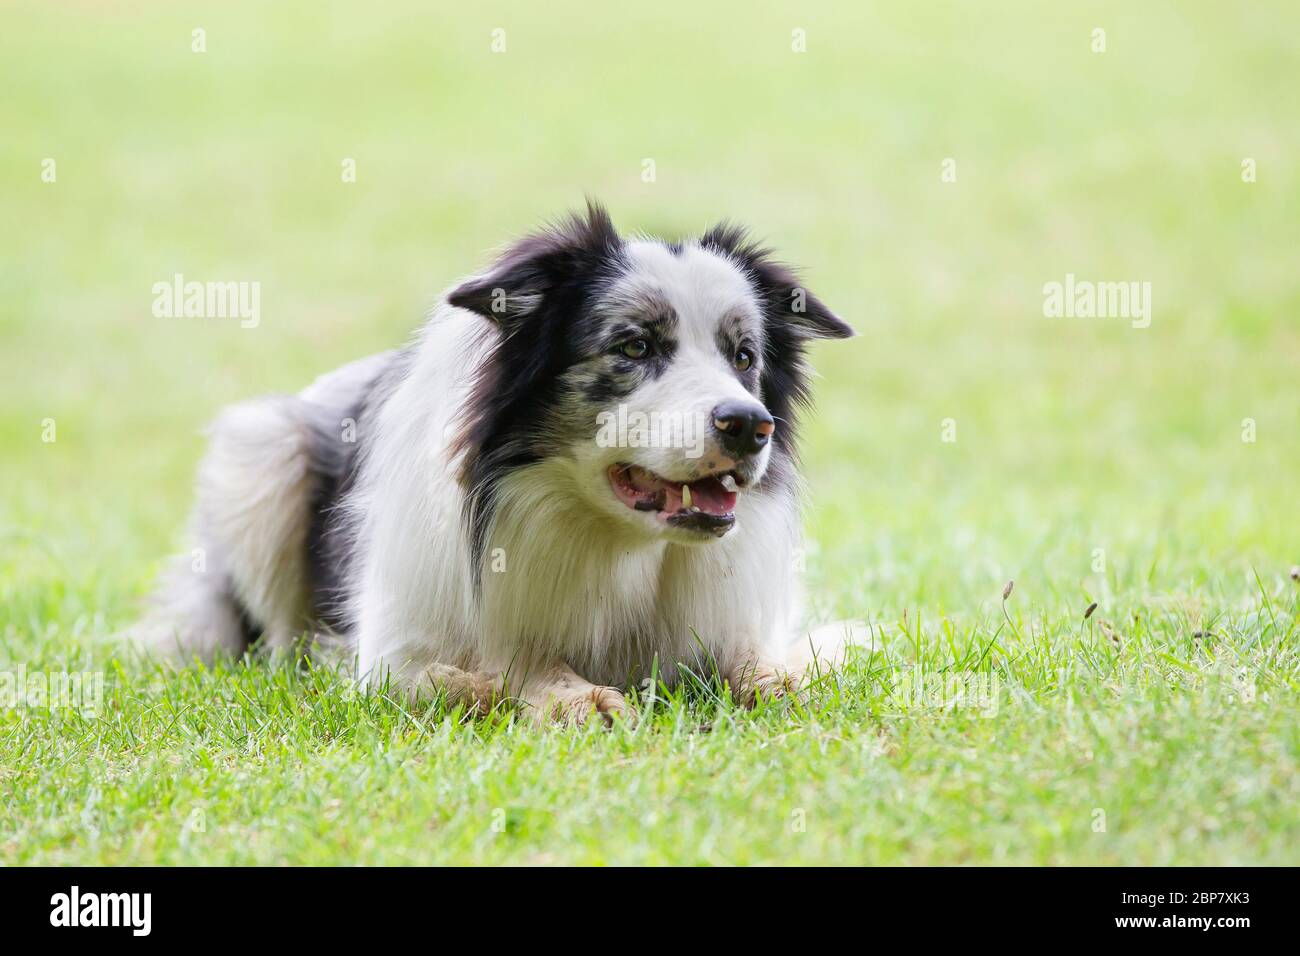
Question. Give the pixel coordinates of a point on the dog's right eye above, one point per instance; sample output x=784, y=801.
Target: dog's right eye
x=635, y=348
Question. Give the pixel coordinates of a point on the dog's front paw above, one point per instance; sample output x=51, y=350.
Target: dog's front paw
x=768, y=681
x=574, y=708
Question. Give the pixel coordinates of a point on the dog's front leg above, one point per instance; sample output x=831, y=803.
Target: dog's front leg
x=756, y=674
x=557, y=694
x=478, y=691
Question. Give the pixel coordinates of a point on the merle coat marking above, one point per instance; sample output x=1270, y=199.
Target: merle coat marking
x=446, y=510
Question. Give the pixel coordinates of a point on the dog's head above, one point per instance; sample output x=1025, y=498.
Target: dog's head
x=665, y=376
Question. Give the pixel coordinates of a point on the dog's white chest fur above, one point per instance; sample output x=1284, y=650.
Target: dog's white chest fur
x=556, y=577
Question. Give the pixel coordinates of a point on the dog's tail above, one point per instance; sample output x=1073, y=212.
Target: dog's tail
x=191, y=614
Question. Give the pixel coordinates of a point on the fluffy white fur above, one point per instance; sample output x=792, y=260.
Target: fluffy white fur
x=579, y=593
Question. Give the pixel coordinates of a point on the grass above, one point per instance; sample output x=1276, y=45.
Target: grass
x=1093, y=462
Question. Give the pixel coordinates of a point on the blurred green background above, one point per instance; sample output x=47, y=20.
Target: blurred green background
x=1113, y=166
x=1073, y=435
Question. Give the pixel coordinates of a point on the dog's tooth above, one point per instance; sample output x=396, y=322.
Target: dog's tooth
x=729, y=481
x=686, y=496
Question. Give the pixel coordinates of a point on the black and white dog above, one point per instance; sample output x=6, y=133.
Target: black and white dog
x=582, y=471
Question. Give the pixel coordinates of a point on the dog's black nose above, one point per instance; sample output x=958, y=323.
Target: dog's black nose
x=743, y=427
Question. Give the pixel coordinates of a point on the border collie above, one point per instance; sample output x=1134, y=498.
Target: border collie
x=580, y=473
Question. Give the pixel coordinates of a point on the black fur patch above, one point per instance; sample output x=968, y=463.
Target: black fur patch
x=620, y=375
x=331, y=539
x=792, y=316
x=537, y=293
x=540, y=294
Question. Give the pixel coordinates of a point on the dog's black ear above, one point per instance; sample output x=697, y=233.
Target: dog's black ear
x=792, y=316
x=787, y=303
x=545, y=264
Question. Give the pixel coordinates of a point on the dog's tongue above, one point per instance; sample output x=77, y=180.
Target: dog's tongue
x=707, y=495
x=651, y=492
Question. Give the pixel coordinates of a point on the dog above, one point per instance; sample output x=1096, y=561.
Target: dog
x=492, y=512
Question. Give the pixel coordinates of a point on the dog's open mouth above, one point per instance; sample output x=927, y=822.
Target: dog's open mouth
x=707, y=504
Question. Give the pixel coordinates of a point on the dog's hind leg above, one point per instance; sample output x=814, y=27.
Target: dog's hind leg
x=251, y=521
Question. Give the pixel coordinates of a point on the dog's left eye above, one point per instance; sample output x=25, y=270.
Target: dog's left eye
x=635, y=349
x=743, y=360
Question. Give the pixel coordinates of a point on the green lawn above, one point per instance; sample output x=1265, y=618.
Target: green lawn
x=1093, y=461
